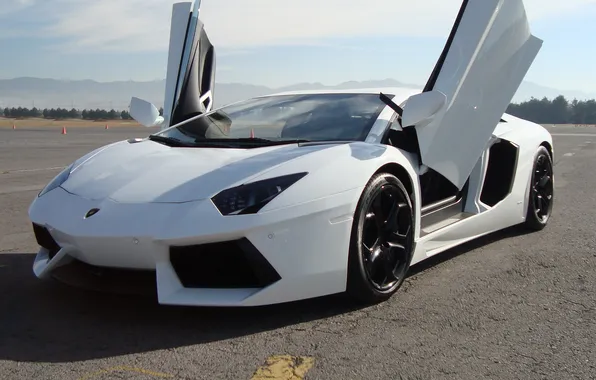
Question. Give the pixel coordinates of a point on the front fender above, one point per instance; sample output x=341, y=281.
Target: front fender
x=339, y=169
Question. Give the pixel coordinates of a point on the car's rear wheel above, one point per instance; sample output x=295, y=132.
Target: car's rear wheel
x=382, y=240
x=541, y=197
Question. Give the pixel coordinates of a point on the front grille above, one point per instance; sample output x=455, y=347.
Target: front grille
x=122, y=281
x=45, y=240
x=230, y=264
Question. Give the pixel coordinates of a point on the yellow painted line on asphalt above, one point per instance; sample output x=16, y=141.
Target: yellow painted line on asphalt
x=284, y=367
x=126, y=369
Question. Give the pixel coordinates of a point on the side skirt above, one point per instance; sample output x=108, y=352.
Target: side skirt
x=442, y=214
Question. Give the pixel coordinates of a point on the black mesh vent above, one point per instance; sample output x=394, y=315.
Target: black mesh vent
x=500, y=173
x=104, y=279
x=231, y=264
x=45, y=240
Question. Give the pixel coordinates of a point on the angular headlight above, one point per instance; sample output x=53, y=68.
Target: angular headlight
x=57, y=181
x=250, y=198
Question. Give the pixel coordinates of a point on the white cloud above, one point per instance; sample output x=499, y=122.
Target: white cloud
x=241, y=23
x=11, y=6
x=143, y=25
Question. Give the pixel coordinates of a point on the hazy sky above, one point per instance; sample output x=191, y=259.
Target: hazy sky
x=277, y=42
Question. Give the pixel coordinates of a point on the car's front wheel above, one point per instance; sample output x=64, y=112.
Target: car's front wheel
x=382, y=240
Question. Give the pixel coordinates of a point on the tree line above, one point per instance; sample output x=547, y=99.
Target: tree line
x=556, y=111
x=63, y=113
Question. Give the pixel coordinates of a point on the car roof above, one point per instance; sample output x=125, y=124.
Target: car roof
x=400, y=93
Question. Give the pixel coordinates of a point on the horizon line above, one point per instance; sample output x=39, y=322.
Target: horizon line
x=586, y=94
x=240, y=83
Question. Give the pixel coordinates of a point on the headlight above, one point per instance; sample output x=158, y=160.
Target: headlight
x=250, y=198
x=57, y=181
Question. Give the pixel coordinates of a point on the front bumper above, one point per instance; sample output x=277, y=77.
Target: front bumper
x=198, y=256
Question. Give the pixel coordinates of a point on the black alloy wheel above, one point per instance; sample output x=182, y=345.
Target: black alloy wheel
x=382, y=240
x=540, y=202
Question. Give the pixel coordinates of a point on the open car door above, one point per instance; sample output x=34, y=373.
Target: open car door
x=190, y=77
x=485, y=59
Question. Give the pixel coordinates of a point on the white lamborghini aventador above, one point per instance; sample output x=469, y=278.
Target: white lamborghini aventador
x=304, y=194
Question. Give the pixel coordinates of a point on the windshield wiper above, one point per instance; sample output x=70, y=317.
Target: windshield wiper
x=170, y=141
x=250, y=141
x=223, y=143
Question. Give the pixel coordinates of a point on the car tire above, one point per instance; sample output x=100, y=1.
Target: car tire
x=541, y=188
x=393, y=245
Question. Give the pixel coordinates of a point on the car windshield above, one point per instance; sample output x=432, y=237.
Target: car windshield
x=283, y=118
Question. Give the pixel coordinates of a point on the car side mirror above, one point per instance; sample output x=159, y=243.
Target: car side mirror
x=145, y=113
x=421, y=108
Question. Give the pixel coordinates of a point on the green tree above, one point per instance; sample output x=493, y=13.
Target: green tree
x=113, y=115
x=35, y=112
x=556, y=111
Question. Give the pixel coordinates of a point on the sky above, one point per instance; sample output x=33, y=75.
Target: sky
x=277, y=42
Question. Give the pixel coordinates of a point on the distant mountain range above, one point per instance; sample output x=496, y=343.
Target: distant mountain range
x=51, y=93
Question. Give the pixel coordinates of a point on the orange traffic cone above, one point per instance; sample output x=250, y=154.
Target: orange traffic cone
x=63, y=130
x=107, y=127
x=14, y=126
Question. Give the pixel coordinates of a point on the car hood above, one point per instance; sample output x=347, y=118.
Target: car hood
x=146, y=171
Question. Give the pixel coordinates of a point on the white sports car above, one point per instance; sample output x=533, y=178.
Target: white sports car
x=305, y=194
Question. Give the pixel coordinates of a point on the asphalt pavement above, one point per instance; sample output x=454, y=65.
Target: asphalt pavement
x=507, y=306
